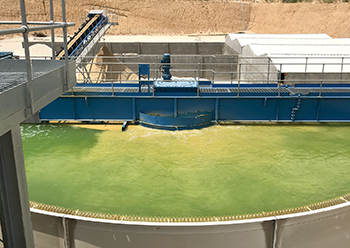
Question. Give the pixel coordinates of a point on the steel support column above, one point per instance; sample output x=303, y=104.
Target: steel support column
x=15, y=214
x=30, y=98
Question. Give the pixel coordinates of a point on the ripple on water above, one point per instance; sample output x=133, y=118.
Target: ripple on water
x=220, y=170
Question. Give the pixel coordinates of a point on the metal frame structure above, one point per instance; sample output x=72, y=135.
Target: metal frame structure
x=232, y=88
x=222, y=72
x=25, y=87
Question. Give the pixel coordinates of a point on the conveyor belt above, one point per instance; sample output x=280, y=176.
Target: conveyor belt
x=77, y=36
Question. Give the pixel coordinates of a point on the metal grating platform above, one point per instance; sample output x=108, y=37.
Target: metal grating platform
x=229, y=90
x=10, y=80
x=7, y=86
x=110, y=89
x=244, y=90
x=46, y=85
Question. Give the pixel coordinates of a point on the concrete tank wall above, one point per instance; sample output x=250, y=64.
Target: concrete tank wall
x=204, y=48
x=215, y=67
x=323, y=228
x=181, y=48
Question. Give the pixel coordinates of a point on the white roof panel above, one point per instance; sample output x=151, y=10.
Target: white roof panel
x=237, y=41
x=291, y=51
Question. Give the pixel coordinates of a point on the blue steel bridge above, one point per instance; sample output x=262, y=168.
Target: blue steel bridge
x=191, y=91
x=206, y=90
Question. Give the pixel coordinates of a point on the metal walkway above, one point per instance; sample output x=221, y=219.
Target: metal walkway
x=230, y=90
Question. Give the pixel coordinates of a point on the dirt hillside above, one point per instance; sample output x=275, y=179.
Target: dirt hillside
x=332, y=19
x=183, y=17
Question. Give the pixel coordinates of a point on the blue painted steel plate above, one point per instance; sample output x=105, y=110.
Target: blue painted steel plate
x=194, y=121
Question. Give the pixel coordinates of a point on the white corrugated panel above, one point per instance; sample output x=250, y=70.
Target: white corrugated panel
x=237, y=41
x=295, y=52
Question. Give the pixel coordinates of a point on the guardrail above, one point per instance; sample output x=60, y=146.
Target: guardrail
x=25, y=29
x=220, y=69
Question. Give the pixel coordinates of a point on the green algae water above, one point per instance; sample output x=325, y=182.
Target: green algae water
x=220, y=170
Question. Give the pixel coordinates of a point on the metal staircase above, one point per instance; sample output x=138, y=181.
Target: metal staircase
x=296, y=109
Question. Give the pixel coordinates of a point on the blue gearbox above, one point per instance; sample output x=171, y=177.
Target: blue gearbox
x=166, y=66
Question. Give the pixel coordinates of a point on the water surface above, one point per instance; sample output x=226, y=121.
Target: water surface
x=220, y=170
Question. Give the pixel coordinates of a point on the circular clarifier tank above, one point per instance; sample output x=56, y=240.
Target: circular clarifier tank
x=216, y=171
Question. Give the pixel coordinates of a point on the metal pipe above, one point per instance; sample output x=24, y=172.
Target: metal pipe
x=279, y=84
x=306, y=67
x=198, y=79
x=268, y=71
x=13, y=31
x=52, y=30
x=341, y=70
x=30, y=100
x=242, y=15
x=214, y=67
x=112, y=81
x=320, y=93
x=239, y=78
x=65, y=85
x=120, y=73
x=194, y=67
x=46, y=27
x=35, y=23
x=231, y=69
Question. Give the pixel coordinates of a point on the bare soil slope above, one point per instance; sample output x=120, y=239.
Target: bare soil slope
x=183, y=17
x=144, y=17
x=332, y=19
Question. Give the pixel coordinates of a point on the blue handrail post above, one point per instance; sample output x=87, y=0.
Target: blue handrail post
x=143, y=70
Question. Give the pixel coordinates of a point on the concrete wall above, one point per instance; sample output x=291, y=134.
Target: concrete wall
x=165, y=47
x=215, y=67
x=258, y=71
x=323, y=228
x=253, y=69
x=204, y=48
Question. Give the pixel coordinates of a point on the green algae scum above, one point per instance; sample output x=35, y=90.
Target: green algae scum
x=216, y=171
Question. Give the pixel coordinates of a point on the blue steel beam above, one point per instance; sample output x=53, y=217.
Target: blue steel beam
x=270, y=109
x=255, y=102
